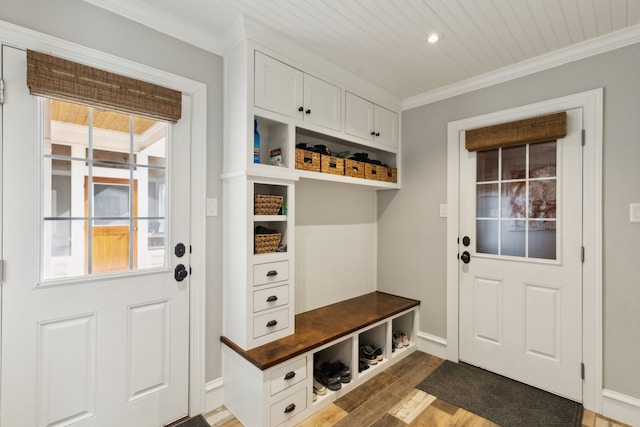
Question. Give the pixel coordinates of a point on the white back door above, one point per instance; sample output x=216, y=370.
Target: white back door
x=520, y=278
x=105, y=348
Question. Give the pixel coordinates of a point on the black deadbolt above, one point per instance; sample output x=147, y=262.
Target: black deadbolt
x=180, y=273
x=180, y=250
x=465, y=257
x=466, y=241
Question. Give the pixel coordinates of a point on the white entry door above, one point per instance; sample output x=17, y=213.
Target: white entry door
x=89, y=346
x=520, y=280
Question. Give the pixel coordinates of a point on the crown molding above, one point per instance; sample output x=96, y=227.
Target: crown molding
x=588, y=48
x=166, y=23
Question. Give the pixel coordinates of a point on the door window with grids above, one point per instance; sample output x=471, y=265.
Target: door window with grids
x=105, y=195
x=516, y=201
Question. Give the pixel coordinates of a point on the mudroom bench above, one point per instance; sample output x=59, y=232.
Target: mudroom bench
x=272, y=384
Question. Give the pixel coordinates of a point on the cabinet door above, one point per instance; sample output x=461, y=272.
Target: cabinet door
x=386, y=127
x=322, y=103
x=278, y=87
x=358, y=117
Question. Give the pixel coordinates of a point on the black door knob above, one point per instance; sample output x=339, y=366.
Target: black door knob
x=465, y=257
x=180, y=250
x=180, y=273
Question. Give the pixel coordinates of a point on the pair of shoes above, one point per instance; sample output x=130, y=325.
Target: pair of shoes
x=400, y=339
x=370, y=353
x=362, y=366
x=327, y=380
x=343, y=370
x=318, y=388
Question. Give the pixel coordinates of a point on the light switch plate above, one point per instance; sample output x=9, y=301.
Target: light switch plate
x=634, y=212
x=443, y=211
x=212, y=207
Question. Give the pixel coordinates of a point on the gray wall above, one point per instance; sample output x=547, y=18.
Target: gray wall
x=93, y=27
x=412, y=237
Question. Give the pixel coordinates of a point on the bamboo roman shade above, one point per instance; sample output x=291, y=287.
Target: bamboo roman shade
x=527, y=131
x=69, y=81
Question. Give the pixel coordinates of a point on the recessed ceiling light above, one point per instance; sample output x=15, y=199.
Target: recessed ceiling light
x=434, y=37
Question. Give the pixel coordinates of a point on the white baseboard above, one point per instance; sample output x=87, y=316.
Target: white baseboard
x=621, y=407
x=432, y=344
x=214, y=394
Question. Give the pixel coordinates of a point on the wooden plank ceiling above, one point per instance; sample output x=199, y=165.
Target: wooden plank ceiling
x=79, y=115
x=384, y=41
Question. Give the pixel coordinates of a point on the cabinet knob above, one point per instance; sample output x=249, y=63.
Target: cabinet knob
x=289, y=375
x=308, y=112
x=301, y=109
x=290, y=408
x=377, y=133
x=373, y=133
x=271, y=323
x=272, y=298
x=272, y=273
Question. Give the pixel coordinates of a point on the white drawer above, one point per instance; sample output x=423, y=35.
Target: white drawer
x=288, y=407
x=270, y=272
x=270, y=322
x=288, y=374
x=270, y=298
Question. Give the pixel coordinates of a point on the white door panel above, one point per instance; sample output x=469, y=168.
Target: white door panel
x=520, y=296
x=91, y=351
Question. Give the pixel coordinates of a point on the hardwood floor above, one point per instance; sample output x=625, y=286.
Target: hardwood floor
x=390, y=399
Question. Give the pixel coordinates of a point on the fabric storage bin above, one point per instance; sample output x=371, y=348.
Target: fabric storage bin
x=353, y=168
x=332, y=165
x=307, y=160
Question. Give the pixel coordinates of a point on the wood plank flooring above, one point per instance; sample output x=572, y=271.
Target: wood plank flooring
x=390, y=399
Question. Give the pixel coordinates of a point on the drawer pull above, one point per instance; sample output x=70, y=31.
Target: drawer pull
x=289, y=375
x=272, y=273
x=290, y=408
x=272, y=298
x=272, y=323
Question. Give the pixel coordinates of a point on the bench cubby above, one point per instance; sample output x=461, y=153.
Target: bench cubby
x=272, y=384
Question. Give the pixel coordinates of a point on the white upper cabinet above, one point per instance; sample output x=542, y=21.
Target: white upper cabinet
x=322, y=103
x=286, y=90
x=369, y=121
x=278, y=87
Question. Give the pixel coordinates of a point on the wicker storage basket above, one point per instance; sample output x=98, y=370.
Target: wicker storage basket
x=390, y=174
x=265, y=243
x=332, y=165
x=266, y=204
x=374, y=172
x=353, y=168
x=307, y=160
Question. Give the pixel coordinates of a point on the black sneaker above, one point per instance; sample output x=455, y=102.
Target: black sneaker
x=368, y=354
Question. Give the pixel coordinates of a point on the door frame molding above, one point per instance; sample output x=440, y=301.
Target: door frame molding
x=592, y=104
x=24, y=38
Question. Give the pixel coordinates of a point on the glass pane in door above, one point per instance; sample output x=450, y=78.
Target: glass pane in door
x=516, y=206
x=105, y=201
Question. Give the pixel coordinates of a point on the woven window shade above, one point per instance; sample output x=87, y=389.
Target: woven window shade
x=527, y=131
x=58, y=78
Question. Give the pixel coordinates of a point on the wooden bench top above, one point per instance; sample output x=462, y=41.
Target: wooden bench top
x=317, y=327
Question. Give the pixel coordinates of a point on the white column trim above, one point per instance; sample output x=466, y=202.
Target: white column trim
x=23, y=38
x=431, y=344
x=591, y=102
